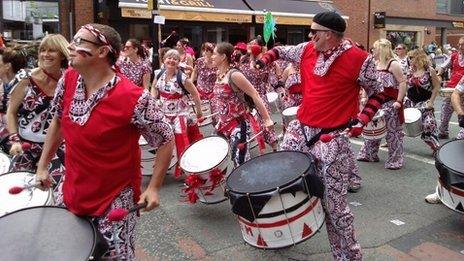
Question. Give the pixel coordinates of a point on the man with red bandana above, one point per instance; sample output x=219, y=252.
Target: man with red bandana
x=332, y=71
x=100, y=115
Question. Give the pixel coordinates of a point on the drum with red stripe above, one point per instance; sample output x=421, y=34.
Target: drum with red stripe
x=450, y=167
x=277, y=199
x=376, y=128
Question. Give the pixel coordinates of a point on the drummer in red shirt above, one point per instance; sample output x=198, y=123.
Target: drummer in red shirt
x=332, y=71
x=100, y=115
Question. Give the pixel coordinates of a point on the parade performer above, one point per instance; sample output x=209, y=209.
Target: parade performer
x=392, y=78
x=135, y=65
x=100, y=115
x=330, y=100
x=173, y=86
x=28, y=113
x=233, y=94
x=423, y=87
x=456, y=64
x=291, y=91
x=259, y=78
x=204, y=73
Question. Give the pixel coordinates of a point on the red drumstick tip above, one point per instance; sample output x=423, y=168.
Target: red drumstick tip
x=241, y=146
x=326, y=138
x=117, y=214
x=200, y=120
x=26, y=146
x=15, y=190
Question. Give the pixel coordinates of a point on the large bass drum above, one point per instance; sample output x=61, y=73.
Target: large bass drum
x=450, y=168
x=49, y=233
x=277, y=199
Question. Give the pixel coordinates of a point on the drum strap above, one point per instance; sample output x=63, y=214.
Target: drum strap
x=315, y=138
x=243, y=138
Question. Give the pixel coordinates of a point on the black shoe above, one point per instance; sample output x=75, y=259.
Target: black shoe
x=443, y=136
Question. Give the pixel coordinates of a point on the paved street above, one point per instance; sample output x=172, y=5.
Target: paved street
x=180, y=231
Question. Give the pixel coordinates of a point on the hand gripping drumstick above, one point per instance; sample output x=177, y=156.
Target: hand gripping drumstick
x=119, y=214
x=241, y=145
x=200, y=120
x=169, y=36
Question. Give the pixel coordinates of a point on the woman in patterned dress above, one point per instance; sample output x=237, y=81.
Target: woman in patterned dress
x=259, y=78
x=28, y=113
x=235, y=120
x=135, y=65
x=204, y=73
x=291, y=92
x=423, y=87
x=12, y=59
x=393, y=80
x=186, y=59
x=168, y=83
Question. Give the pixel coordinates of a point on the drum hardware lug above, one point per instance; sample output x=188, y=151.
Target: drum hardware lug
x=91, y=258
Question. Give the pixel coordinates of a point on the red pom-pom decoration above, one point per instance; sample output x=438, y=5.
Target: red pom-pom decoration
x=256, y=49
x=25, y=146
x=241, y=146
x=326, y=138
x=117, y=214
x=15, y=190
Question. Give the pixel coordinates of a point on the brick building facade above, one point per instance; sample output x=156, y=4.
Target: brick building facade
x=416, y=17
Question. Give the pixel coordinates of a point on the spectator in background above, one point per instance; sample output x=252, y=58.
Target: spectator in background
x=134, y=64
x=186, y=59
x=401, y=52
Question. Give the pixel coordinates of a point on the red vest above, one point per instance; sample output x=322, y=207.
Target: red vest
x=331, y=100
x=103, y=156
x=457, y=72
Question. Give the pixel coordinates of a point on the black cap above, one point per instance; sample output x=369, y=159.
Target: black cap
x=331, y=20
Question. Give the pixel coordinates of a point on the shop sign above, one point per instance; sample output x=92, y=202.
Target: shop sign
x=190, y=3
x=379, y=20
x=136, y=13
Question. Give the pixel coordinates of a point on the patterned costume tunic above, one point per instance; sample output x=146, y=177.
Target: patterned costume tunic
x=206, y=78
x=395, y=133
x=134, y=71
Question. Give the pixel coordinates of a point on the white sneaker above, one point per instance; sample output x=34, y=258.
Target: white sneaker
x=433, y=198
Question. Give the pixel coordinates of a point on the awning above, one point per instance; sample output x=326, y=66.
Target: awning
x=290, y=12
x=228, y=11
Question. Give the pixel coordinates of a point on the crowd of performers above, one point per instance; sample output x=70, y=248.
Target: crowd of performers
x=84, y=107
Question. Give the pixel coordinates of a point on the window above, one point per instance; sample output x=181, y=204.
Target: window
x=442, y=6
x=404, y=37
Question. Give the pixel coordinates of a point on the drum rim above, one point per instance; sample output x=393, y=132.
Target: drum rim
x=438, y=159
x=94, y=229
x=179, y=160
x=305, y=172
x=288, y=109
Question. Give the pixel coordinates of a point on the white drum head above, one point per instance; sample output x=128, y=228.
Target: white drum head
x=447, y=90
x=290, y=111
x=27, y=198
x=204, y=154
x=5, y=163
x=378, y=115
x=411, y=115
x=272, y=96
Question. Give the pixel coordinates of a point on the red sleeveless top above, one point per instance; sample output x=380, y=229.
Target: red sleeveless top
x=330, y=100
x=102, y=156
x=457, y=71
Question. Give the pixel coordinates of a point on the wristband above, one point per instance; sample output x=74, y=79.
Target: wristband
x=14, y=137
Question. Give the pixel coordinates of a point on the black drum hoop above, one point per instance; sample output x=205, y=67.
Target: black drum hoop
x=96, y=236
x=438, y=160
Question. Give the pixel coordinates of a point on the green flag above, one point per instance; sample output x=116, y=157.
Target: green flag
x=269, y=28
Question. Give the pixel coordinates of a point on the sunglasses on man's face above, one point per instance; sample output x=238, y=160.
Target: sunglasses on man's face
x=399, y=48
x=314, y=31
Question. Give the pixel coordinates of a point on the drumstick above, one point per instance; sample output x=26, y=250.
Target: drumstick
x=16, y=189
x=241, y=145
x=119, y=214
x=25, y=146
x=200, y=120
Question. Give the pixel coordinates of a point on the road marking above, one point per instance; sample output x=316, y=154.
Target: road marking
x=356, y=204
x=397, y=222
x=411, y=156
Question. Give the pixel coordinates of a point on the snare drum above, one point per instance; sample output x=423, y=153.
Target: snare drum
x=5, y=163
x=206, y=161
x=206, y=110
x=412, y=122
x=27, y=198
x=446, y=92
x=451, y=170
x=49, y=233
x=273, y=99
x=277, y=199
x=288, y=115
x=376, y=128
